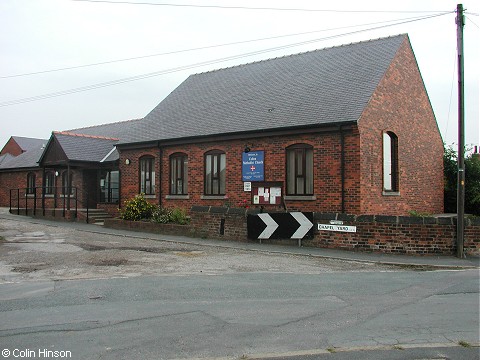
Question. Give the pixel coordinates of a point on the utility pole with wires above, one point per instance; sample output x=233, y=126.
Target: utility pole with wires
x=460, y=20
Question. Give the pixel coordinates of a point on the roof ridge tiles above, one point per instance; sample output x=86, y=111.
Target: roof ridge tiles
x=106, y=124
x=301, y=53
x=67, y=133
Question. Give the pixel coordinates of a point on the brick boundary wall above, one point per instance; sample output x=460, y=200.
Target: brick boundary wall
x=378, y=233
x=398, y=234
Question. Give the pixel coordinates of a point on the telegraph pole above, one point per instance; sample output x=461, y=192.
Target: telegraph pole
x=460, y=20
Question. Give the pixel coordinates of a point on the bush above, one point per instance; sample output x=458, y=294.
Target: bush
x=137, y=209
x=164, y=216
x=161, y=215
x=472, y=182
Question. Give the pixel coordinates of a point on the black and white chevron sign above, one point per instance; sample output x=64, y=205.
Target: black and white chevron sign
x=293, y=225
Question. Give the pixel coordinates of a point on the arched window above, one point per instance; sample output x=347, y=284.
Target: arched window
x=178, y=174
x=49, y=182
x=390, y=162
x=299, y=169
x=67, y=180
x=147, y=175
x=31, y=178
x=215, y=172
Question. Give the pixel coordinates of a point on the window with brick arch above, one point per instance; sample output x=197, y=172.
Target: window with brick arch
x=215, y=172
x=178, y=174
x=390, y=162
x=31, y=178
x=147, y=175
x=49, y=182
x=299, y=169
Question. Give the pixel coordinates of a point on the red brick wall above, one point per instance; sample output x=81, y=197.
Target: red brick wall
x=327, y=171
x=377, y=233
x=11, y=147
x=400, y=104
x=15, y=180
x=398, y=234
x=18, y=179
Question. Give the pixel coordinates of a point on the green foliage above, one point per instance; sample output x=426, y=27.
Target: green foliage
x=175, y=216
x=137, y=209
x=415, y=213
x=472, y=182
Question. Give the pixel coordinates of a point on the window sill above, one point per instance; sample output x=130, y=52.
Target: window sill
x=150, y=196
x=214, y=197
x=177, y=197
x=391, y=193
x=301, y=197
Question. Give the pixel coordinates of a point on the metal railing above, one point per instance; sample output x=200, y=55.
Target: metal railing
x=62, y=197
x=110, y=195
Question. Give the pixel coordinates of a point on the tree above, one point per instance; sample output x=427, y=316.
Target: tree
x=472, y=182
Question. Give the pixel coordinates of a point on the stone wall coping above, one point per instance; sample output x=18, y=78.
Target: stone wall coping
x=350, y=218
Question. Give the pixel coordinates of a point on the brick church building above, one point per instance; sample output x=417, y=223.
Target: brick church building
x=348, y=129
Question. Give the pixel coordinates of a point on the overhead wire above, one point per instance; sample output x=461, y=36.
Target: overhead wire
x=255, y=8
x=186, y=67
x=200, y=48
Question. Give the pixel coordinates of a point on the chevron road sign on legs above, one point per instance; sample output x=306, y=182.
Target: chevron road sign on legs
x=305, y=225
x=271, y=226
x=294, y=225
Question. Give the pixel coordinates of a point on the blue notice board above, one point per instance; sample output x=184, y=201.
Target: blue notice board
x=253, y=165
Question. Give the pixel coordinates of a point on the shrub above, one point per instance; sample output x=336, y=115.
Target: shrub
x=175, y=215
x=161, y=215
x=179, y=216
x=137, y=209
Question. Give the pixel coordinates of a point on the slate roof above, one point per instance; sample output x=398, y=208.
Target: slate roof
x=27, y=159
x=78, y=147
x=115, y=130
x=321, y=87
x=27, y=143
x=5, y=157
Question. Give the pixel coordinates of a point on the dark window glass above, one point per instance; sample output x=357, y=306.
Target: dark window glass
x=31, y=178
x=390, y=162
x=109, y=186
x=178, y=174
x=49, y=182
x=147, y=175
x=215, y=172
x=300, y=170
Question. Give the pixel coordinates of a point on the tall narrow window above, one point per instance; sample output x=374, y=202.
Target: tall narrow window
x=67, y=183
x=109, y=186
x=300, y=170
x=31, y=183
x=147, y=175
x=390, y=162
x=49, y=182
x=215, y=170
x=178, y=174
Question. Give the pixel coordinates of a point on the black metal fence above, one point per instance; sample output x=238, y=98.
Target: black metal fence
x=35, y=199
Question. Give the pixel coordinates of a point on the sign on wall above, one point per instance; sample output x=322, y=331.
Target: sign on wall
x=253, y=165
x=294, y=225
x=267, y=193
x=332, y=227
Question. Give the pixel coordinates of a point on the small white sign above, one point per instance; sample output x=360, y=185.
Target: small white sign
x=342, y=228
x=336, y=222
x=247, y=186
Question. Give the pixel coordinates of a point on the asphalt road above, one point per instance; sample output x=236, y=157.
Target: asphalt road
x=235, y=315
x=72, y=293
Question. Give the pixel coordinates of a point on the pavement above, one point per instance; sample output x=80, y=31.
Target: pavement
x=425, y=262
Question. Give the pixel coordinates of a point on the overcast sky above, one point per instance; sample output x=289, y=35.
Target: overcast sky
x=42, y=35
